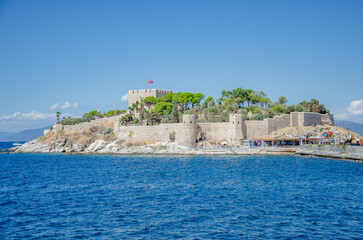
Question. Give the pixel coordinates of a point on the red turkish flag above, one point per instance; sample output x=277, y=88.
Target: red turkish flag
x=149, y=81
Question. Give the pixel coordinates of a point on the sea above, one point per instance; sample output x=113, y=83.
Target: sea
x=6, y=145
x=60, y=196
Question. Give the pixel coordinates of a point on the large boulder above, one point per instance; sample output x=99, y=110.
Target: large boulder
x=97, y=145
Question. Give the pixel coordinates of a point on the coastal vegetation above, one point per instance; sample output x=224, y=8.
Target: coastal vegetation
x=254, y=105
x=87, y=117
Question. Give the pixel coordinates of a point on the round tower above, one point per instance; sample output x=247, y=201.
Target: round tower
x=187, y=135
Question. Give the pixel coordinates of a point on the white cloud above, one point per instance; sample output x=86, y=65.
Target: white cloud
x=356, y=107
x=9, y=116
x=21, y=121
x=354, y=112
x=32, y=115
x=53, y=106
x=66, y=105
x=37, y=115
x=125, y=98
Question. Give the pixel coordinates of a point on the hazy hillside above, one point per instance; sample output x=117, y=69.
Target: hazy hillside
x=25, y=135
x=355, y=127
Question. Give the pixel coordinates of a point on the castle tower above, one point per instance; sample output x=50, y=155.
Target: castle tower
x=137, y=95
x=187, y=134
x=236, y=134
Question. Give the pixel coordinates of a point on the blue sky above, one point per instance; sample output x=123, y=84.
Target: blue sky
x=77, y=56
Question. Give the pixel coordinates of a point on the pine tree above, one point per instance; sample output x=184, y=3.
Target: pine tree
x=175, y=114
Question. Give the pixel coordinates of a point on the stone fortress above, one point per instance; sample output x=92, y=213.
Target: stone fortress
x=189, y=132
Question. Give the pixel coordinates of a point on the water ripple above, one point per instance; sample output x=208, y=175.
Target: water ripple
x=192, y=197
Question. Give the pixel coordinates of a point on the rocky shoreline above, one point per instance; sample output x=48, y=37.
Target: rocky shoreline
x=164, y=148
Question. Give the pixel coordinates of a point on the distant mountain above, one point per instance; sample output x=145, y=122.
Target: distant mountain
x=25, y=135
x=355, y=127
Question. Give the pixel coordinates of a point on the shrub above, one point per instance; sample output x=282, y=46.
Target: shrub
x=108, y=131
x=260, y=116
x=72, y=121
x=115, y=113
x=172, y=136
x=120, y=142
x=154, y=117
x=255, y=110
x=109, y=137
x=277, y=109
x=94, y=114
x=127, y=118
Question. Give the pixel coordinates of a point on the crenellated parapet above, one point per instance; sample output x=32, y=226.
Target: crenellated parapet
x=138, y=95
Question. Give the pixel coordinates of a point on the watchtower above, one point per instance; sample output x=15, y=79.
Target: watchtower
x=236, y=133
x=187, y=134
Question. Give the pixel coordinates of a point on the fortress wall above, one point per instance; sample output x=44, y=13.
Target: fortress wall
x=215, y=132
x=310, y=119
x=272, y=124
x=327, y=119
x=282, y=121
x=184, y=133
x=156, y=133
x=85, y=125
x=256, y=128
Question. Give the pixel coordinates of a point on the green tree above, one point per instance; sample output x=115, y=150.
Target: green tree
x=154, y=117
x=95, y=114
x=282, y=100
x=277, y=109
x=58, y=117
x=163, y=108
x=264, y=101
x=127, y=118
x=315, y=106
x=207, y=101
x=175, y=114
x=170, y=97
x=150, y=101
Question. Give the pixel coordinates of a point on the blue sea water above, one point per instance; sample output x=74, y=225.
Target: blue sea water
x=6, y=145
x=190, y=197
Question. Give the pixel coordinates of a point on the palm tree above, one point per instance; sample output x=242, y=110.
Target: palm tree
x=58, y=116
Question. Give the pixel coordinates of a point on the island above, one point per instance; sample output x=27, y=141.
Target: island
x=241, y=121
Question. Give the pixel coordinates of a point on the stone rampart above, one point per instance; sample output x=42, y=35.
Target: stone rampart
x=162, y=132
x=327, y=119
x=215, y=132
x=281, y=121
x=232, y=132
x=183, y=133
x=256, y=128
x=310, y=119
